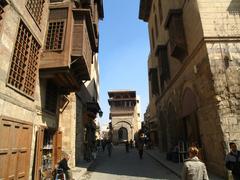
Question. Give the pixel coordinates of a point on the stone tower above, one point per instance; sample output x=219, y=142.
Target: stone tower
x=124, y=114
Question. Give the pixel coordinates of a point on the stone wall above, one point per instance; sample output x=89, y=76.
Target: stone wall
x=221, y=19
x=12, y=103
x=225, y=67
x=67, y=124
x=122, y=121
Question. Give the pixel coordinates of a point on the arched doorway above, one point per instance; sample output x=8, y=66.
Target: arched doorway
x=173, y=127
x=122, y=134
x=163, y=142
x=190, y=125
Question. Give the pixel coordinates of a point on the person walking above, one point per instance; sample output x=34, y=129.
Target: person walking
x=131, y=143
x=109, y=147
x=140, y=146
x=104, y=142
x=127, y=146
x=193, y=168
x=232, y=161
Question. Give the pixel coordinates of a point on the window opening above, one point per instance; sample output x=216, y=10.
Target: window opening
x=24, y=66
x=55, y=35
x=160, y=11
x=51, y=97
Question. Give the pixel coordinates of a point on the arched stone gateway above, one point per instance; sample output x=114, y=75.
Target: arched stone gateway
x=173, y=128
x=122, y=134
x=124, y=115
x=189, y=127
x=163, y=144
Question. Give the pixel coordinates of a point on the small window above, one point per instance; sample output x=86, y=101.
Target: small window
x=51, y=97
x=35, y=8
x=153, y=77
x=153, y=40
x=55, y=35
x=163, y=64
x=56, y=29
x=160, y=11
x=156, y=26
x=24, y=66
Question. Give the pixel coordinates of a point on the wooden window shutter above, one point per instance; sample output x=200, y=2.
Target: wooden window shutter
x=153, y=74
x=160, y=11
x=175, y=26
x=56, y=29
x=163, y=64
x=51, y=98
x=59, y=13
x=24, y=65
x=57, y=139
x=38, y=153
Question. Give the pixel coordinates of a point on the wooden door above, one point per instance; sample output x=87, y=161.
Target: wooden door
x=57, y=139
x=15, y=146
x=38, y=153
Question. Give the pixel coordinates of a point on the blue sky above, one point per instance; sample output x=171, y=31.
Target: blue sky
x=123, y=53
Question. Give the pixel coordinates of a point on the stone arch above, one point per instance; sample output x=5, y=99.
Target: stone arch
x=126, y=128
x=172, y=125
x=163, y=142
x=188, y=90
x=189, y=126
x=189, y=102
x=123, y=122
x=122, y=134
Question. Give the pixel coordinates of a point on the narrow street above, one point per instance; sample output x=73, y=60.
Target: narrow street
x=127, y=166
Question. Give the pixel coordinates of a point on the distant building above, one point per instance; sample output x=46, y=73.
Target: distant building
x=194, y=70
x=124, y=114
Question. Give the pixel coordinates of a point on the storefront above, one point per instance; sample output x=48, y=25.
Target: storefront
x=47, y=152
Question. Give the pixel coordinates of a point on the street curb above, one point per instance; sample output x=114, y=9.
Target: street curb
x=164, y=165
x=79, y=172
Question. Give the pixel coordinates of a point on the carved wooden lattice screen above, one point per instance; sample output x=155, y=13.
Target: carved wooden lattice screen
x=35, y=7
x=24, y=66
x=177, y=40
x=55, y=35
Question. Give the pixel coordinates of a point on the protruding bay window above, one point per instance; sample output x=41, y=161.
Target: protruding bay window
x=175, y=26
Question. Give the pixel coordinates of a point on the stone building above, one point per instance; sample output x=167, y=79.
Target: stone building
x=194, y=70
x=124, y=115
x=48, y=49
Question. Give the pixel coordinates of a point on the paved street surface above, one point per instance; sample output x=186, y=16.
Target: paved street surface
x=127, y=166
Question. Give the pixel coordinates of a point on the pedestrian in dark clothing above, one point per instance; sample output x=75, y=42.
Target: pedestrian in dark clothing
x=127, y=146
x=131, y=143
x=140, y=147
x=109, y=148
x=232, y=161
x=103, y=145
x=63, y=164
